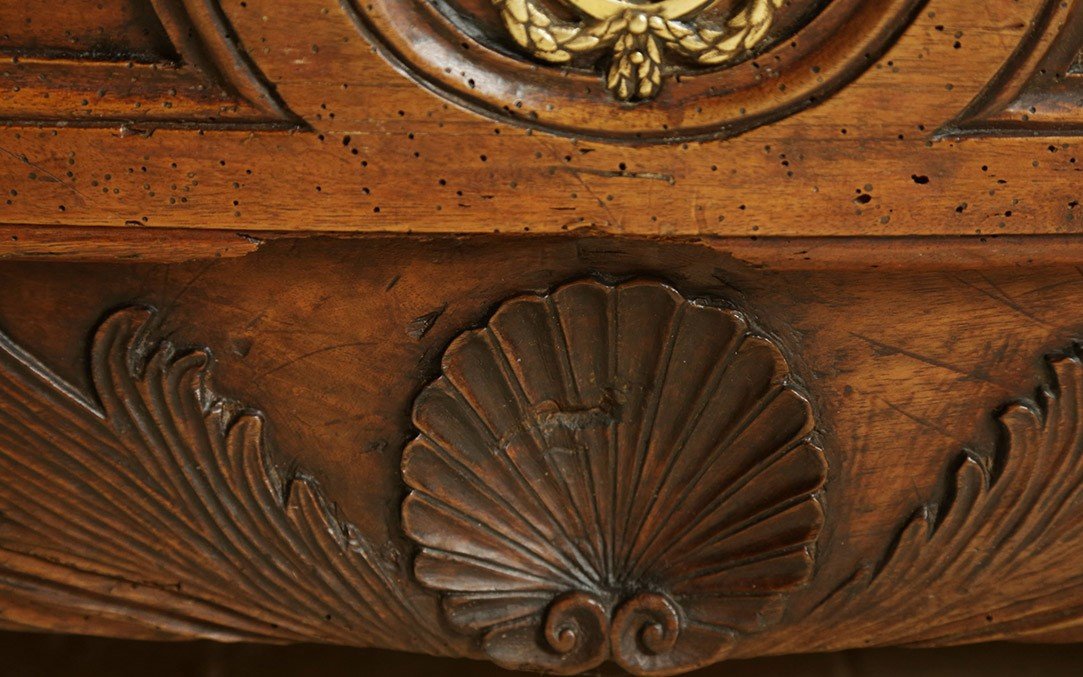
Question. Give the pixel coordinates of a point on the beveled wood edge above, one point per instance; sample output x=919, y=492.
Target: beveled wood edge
x=145, y=244
x=46, y=243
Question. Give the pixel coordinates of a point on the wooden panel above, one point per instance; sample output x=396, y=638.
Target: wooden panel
x=557, y=333
x=906, y=374
x=865, y=161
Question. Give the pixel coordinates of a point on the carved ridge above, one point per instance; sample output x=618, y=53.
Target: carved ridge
x=214, y=84
x=217, y=52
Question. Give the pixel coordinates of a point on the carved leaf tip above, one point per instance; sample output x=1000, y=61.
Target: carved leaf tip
x=1008, y=523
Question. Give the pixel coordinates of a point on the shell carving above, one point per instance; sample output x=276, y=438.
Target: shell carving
x=612, y=472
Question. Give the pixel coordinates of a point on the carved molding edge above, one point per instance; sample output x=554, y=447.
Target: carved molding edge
x=215, y=84
x=613, y=472
x=154, y=509
x=1039, y=91
x=207, y=41
x=506, y=59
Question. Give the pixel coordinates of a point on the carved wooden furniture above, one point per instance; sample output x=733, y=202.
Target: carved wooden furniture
x=548, y=332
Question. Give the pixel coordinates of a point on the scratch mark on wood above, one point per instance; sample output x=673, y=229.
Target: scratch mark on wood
x=187, y=286
x=622, y=174
x=419, y=326
x=888, y=349
x=319, y=351
x=1000, y=297
x=53, y=177
x=924, y=422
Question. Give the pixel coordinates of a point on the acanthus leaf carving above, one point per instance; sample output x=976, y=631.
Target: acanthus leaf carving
x=613, y=472
x=155, y=508
x=1006, y=530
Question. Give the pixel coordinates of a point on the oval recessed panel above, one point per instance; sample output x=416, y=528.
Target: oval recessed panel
x=630, y=69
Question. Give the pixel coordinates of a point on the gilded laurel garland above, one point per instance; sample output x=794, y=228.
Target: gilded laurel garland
x=638, y=35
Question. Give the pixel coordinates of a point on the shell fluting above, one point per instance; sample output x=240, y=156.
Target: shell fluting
x=613, y=471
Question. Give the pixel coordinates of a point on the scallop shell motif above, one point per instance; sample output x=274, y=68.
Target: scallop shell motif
x=612, y=472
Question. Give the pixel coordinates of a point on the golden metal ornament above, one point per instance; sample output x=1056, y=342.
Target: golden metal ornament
x=637, y=33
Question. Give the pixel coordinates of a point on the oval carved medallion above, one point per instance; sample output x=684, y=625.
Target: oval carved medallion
x=634, y=69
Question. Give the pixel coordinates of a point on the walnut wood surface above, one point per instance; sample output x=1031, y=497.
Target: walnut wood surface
x=865, y=161
x=749, y=328
x=903, y=370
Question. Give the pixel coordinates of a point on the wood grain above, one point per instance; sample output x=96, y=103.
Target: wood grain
x=756, y=334
x=152, y=508
x=862, y=163
x=903, y=370
x=137, y=243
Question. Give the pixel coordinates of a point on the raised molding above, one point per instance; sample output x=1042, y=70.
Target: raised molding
x=469, y=52
x=202, y=78
x=1039, y=91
